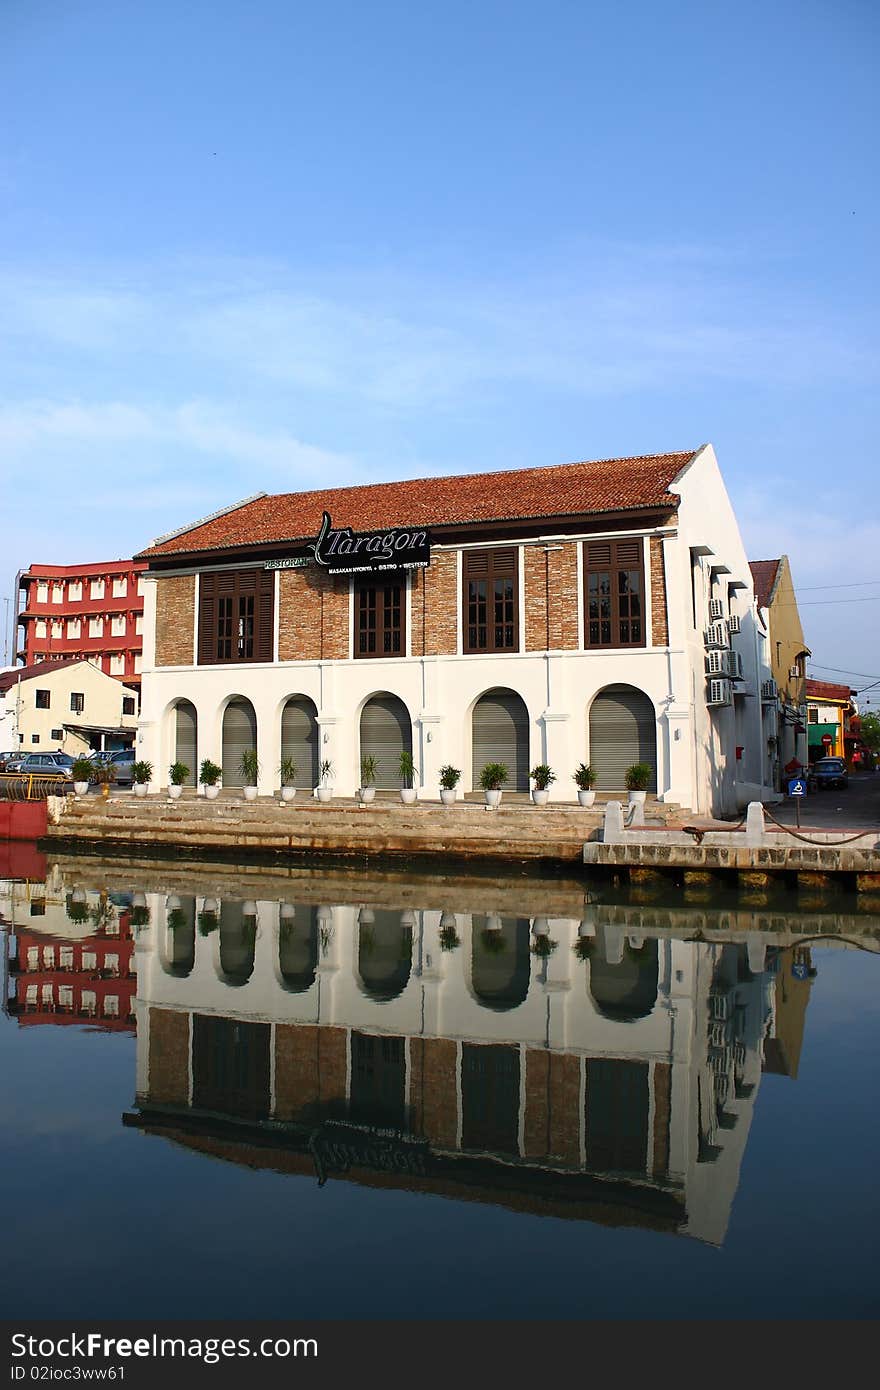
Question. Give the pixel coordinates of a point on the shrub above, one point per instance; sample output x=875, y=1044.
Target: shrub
x=368, y=771
x=542, y=776
x=178, y=772
x=287, y=771
x=249, y=766
x=585, y=776
x=210, y=773
x=83, y=770
x=449, y=777
x=142, y=772
x=493, y=776
x=406, y=768
x=638, y=777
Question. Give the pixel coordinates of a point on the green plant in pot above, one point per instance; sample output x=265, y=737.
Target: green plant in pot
x=369, y=767
x=585, y=778
x=325, y=785
x=208, y=922
x=142, y=775
x=77, y=911
x=176, y=919
x=492, y=778
x=287, y=770
x=408, y=773
x=83, y=770
x=249, y=768
x=209, y=776
x=638, y=778
x=542, y=775
x=177, y=775
x=449, y=779
x=449, y=937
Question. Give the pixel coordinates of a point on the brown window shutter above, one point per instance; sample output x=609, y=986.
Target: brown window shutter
x=476, y=563
x=207, y=619
x=504, y=562
x=599, y=555
x=264, y=581
x=629, y=552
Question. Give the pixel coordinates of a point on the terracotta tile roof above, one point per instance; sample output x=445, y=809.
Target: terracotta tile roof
x=764, y=577
x=10, y=679
x=605, y=485
x=827, y=690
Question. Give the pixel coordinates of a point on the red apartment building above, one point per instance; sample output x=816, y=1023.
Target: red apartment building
x=90, y=980
x=94, y=612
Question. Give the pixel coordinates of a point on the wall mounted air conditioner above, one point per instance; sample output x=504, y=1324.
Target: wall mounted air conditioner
x=734, y=665
x=716, y=635
x=718, y=693
x=716, y=608
x=768, y=690
x=715, y=663
x=733, y=623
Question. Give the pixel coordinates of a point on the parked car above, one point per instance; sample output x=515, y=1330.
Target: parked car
x=830, y=772
x=7, y=758
x=45, y=764
x=121, y=760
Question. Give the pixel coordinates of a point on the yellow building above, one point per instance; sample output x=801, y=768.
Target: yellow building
x=786, y=653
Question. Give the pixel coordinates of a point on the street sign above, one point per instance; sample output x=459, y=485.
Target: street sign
x=797, y=786
x=800, y=970
x=827, y=740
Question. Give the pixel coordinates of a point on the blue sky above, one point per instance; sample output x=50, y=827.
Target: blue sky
x=278, y=245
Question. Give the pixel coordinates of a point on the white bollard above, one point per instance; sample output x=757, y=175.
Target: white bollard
x=754, y=825
x=612, y=832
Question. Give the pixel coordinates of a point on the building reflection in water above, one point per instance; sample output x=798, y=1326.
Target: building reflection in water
x=602, y=1068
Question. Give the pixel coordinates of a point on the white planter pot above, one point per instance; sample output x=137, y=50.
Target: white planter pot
x=539, y=797
x=448, y=796
x=81, y=788
x=325, y=793
x=212, y=792
x=636, y=798
x=288, y=793
x=407, y=795
x=493, y=798
x=366, y=795
x=140, y=788
x=175, y=792
x=586, y=798
x=250, y=793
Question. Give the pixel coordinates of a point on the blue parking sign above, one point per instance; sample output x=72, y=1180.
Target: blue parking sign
x=797, y=786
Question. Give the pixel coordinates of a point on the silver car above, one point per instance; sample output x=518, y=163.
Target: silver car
x=45, y=764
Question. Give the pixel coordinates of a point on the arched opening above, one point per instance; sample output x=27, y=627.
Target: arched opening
x=628, y=990
x=239, y=734
x=384, y=953
x=186, y=738
x=299, y=739
x=238, y=942
x=180, y=949
x=386, y=732
x=500, y=727
x=623, y=731
x=298, y=950
x=500, y=962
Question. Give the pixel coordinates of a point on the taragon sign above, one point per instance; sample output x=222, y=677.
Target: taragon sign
x=343, y=551
x=337, y=1147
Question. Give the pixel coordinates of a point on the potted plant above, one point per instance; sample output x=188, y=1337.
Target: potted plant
x=139, y=915
x=543, y=944
x=542, y=776
x=325, y=787
x=367, y=789
x=585, y=777
x=142, y=773
x=408, y=772
x=177, y=774
x=77, y=907
x=449, y=779
x=449, y=937
x=638, y=779
x=492, y=779
x=176, y=919
x=287, y=773
x=105, y=775
x=82, y=774
x=209, y=776
x=249, y=767
x=208, y=921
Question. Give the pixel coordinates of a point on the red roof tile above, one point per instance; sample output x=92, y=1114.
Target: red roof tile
x=827, y=690
x=10, y=679
x=764, y=577
x=606, y=485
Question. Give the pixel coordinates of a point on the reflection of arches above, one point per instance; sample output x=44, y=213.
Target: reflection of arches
x=386, y=732
x=623, y=731
x=299, y=739
x=298, y=950
x=500, y=734
x=628, y=990
x=384, y=955
x=501, y=962
x=180, y=952
x=186, y=727
x=239, y=734
x=238, y=941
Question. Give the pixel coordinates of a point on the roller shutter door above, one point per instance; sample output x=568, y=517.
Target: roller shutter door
x=501, y=735
x=185, y=740
x=299, y=740
x=623, y=731
x=386, y=732
x=239, y=733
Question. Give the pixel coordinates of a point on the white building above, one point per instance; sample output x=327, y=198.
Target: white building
x=64, y=706
x=593, y=612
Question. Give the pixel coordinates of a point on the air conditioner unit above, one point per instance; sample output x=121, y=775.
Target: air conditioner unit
x=716, y=635
x=733, y=623
x=715, y=663
x=733, y=665
x=718, y=693
x=768, y=690
x=716, y=608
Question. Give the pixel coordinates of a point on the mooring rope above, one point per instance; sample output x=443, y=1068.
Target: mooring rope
x=823, y=844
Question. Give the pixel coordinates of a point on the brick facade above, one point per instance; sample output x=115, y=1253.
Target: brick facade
x=434, y=606
x=313, y=614
x=552, y=1118
x=662, y=1108
x=553, y=571
x=175, y=619
x=311, y=1066
x=433, y=1091
x=169, y=1057
x=659, y=618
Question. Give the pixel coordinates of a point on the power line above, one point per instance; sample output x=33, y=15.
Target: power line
x=818, y=602
x=841, y=671
x=858, y=584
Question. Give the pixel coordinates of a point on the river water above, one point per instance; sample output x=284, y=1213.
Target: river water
x=247, y=1093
